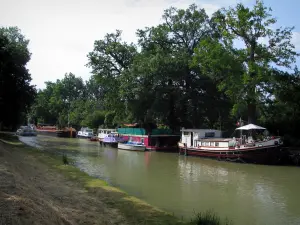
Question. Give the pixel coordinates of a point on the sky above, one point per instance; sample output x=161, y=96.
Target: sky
x=62, y=32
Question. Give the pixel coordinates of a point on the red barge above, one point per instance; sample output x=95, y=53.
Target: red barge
x=53, y=131
x=246, y=148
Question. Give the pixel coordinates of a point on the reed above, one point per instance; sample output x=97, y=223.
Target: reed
x=65, y=159
x=209, y=217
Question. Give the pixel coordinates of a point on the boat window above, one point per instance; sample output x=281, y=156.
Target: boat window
x=142, y=140
x=217, y=144
x=212, y=143
x=209, y=134
x=186, y=133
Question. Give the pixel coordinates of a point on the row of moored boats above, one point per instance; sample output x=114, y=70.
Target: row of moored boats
x=252, y=144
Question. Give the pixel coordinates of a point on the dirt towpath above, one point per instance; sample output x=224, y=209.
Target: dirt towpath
x=34, y=192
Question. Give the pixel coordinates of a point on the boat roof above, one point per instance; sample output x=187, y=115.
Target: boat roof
x=195, y=130
x=215, y=139
x=250, y=127
x=106, y=129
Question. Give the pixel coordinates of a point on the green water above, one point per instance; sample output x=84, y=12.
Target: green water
x=245, y=193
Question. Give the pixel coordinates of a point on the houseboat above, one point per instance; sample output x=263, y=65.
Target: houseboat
x=26, y=131
x=154, y=140
x=50, y=130
x=112, y=139
x=252, y=147
x=85, y=132
x=45, y=129
x=102, y=133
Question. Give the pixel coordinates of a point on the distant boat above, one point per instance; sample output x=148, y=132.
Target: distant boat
x=94, y=138
x=26, y=131
x=208, y=143
x=85, y=132
x=49, y=130
x=45, y=129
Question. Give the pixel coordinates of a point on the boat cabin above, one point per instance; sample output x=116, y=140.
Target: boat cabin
x=102, y=133
x=191, y=137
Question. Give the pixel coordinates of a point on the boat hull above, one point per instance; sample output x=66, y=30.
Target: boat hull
x=111, y=144
x=271, y=155
x=47, y=133
x=131, y=147
x=84, y=137
x=162, y=149
x=66, y=134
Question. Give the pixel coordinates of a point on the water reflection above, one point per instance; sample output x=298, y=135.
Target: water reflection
x=248, y=194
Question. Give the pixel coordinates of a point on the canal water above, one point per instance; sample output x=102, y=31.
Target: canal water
x=245, y=193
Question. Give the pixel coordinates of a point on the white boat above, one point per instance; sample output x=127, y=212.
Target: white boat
x=255, y=147
x=102, y=133
x=85, y=132
x=132, y=146
x=26, y=131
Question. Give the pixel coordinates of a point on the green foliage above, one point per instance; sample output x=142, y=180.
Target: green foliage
x=156, y=84
x=184, y=72
x=69, y=101
x=244, y=72
x=16, y=92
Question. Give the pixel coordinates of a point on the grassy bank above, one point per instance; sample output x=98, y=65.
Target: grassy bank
x=134, y=210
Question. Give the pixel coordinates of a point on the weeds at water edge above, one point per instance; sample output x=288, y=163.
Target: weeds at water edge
x=209, y=217
x=65, y=159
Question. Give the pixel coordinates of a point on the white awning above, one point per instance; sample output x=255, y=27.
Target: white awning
x=251, y=127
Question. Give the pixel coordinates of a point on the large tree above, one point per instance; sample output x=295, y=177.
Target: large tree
x=16, y=92
x=108, y=60
x=179, y=94
x=243, y=72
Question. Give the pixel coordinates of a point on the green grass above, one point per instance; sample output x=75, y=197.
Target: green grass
x=10, y=139
x=134, y=210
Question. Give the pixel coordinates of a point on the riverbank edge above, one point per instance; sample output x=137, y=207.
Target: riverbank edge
x=135, y=211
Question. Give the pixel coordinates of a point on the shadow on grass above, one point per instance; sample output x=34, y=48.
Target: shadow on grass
x=134, y=210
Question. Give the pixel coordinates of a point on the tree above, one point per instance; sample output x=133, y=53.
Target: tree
x=244, y=72
x=108, y=60
x=16, y=92
x=174, y=92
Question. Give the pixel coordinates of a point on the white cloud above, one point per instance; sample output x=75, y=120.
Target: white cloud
x=62, y=32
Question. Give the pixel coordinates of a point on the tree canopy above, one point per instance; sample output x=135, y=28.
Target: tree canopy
x=16, y=92
x=244, y=72
x=191, y=70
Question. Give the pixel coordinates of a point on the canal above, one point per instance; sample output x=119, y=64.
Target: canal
x=245, y=193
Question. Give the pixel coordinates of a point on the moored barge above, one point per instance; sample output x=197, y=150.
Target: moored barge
x=246, y=148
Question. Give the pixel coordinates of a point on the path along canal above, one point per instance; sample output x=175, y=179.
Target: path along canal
x=245, y=193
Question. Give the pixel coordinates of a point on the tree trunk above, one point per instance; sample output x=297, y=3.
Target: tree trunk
x=251, y=113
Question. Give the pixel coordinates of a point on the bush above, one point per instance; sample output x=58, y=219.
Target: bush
x=65, y=159
x=209, y=218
